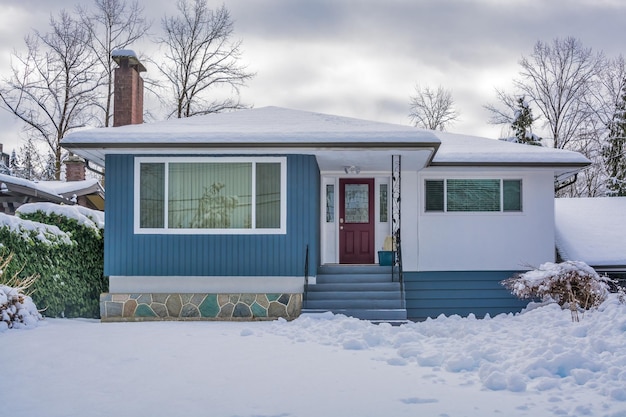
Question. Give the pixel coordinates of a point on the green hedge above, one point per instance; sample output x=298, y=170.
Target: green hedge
x=66, y=249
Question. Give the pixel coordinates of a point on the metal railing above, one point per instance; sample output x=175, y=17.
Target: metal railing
x=396, y=186
x=306, y=274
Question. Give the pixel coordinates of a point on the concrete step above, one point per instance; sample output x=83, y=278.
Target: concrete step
x=354, y=269
x=333, y=305
x=355, y=287
x=362, y=291
x=376, y=315
x=352, y=278
x=353, y=295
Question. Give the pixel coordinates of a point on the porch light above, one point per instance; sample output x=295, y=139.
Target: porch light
x=352, y=169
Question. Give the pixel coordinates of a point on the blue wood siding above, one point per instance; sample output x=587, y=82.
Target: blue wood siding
x=127, y=254
x=429, y=294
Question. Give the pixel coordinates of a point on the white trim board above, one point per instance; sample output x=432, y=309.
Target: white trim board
x=205, y=284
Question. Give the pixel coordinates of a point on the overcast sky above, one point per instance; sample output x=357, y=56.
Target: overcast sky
x=362, y=58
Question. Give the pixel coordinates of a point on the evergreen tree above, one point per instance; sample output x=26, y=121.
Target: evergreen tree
x=49, y=170
x=30, y=158
x=14, y=163
x=522, y=124
x=614, y=151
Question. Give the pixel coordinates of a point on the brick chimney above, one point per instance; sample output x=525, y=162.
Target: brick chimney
x=74, y=168
x=128, y=88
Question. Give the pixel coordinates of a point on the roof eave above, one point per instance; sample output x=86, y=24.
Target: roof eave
x=248, y=145
x=95, y=188
x=35, y=193
x=575, y=165
x=95, y=152
x=609, y=268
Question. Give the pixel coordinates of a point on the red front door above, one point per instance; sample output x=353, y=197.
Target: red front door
x=356, y=221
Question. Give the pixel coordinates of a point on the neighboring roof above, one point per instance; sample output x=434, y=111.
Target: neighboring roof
x=21, y=190
x=12, y=186
x=68, y=189
x=592, y=230
x=285, y=129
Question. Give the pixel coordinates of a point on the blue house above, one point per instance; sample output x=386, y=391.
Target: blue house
x=271, y=212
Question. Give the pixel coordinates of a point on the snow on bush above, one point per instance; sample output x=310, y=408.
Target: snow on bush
x=72, y=276
x=572, y=284
x=17, y=309
x=30, y=231
x=91, y=219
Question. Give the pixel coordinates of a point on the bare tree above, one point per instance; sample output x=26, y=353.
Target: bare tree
x=52, y=88
x=601, y=138
x=563, y=81
x=591, y=182
x=432, y=109
x=502, y=115
x=606, y=97
x=200, y=57
x=113, y=24
x=558, y=78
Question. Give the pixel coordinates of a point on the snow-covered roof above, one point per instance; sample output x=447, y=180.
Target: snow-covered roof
x=592, y=230
x=10, y=184
x=275, y=128
x=19, y=191
x=52, y=189
x=458, y=149
x=266, y=125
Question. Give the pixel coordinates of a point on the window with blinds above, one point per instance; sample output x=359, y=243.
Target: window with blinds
x=473, y=195
x=210, y=194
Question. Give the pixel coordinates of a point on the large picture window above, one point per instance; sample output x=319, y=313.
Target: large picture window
x=473, y=195
x=210, y=195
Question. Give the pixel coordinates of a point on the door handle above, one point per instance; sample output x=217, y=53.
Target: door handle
x=340, y=227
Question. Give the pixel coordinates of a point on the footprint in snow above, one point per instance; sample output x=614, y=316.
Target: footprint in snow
x=417, y=400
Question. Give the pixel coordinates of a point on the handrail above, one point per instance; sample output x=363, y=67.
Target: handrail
x=399, y=265
x=396, y=170
x=306, y=273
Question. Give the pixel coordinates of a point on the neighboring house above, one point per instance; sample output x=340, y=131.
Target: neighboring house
x=75, y=189
x=593, y=230
x=4, y=162
x=251, y=214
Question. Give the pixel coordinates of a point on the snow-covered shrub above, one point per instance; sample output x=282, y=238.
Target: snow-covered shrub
x=16, y=307
x=572, y=284
x=65, y=246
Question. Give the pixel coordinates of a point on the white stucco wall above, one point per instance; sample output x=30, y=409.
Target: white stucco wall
x=408, y=220
x=484, y=241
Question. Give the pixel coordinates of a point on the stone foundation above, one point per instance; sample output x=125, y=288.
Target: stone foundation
x=227, y=307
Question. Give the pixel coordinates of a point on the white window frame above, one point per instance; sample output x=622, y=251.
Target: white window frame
x=190, y=159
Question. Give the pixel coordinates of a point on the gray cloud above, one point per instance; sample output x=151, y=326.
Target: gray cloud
x=362, y=58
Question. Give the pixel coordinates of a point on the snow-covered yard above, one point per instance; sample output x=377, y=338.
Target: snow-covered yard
x=538, y=363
